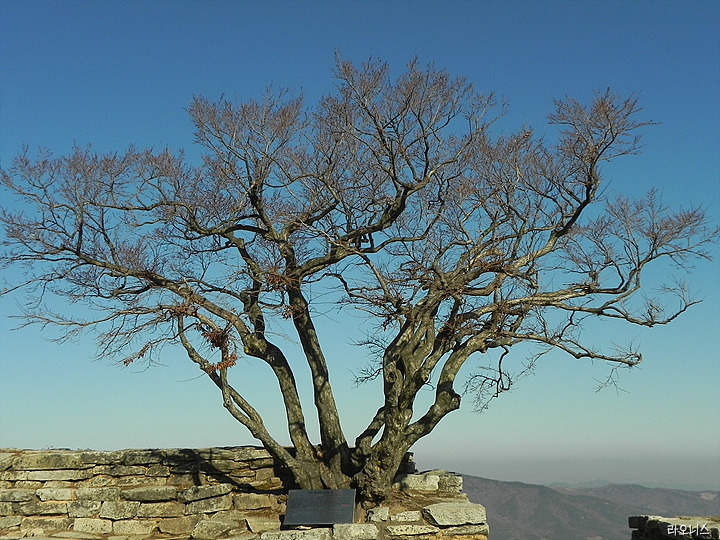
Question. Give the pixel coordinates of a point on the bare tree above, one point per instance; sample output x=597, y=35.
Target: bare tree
x=391, y=193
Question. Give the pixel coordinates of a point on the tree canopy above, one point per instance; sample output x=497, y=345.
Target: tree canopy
x=392, y=192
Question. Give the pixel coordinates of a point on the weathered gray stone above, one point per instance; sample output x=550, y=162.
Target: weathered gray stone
x=97, y=481
x=466, y=530
x=55, y=494
x=224, y=465
x=158, y=470
x=258, y=524
x=215, y=504
x=450, y=483
x=120, y=470
x=93, y=525
x=42, y=508
x=246, y=475
x=209, y=529
x=6, y=459
x=6, y=509
x=129, y=481
x=203, y=492
x=98, y=494
x=32, y=461
x=309, y=534
x=410, y=530
x=214, y=454
x=10, y=521
x=248, y=454
x=75, y=535
x=181, y=480
x=410, y=515
x=101, y=458
x=134, y=527
x=83, y=509
x=453, y=514
x=161, y=509
x=16, y=495
x=261, y=463
x=59, y=484
x=27, y=484
x=252, y=501
x=119, y=509
x=263, y=474
x=381, y=513
x=355, y=531
x=272, y=484
x=419, y=482
x=180, y=525
x=237, y=517
x=60, y=474
x=51, y=524
x=150, y=494
x=242, y=536
x=140, y=457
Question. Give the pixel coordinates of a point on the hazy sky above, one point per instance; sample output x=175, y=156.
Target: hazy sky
x=116, y=73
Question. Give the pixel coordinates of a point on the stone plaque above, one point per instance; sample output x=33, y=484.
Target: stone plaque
x=320, y=506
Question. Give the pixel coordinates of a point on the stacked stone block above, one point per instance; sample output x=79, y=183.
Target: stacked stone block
x=202, y=493
x=432, y=507
x=205, y=494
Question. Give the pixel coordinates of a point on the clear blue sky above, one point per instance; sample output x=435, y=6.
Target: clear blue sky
x=115, y=73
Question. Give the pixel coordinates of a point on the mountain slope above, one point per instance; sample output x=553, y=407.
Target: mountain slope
x=518, y=511
x=658, y=501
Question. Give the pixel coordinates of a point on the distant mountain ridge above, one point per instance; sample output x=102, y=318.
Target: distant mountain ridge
x=658, y=501
x=519, y=511
x=601, y=483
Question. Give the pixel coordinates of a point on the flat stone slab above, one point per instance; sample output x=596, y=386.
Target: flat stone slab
x=259, y=524
x=211, y=529
x=310, y=534
x=419, y=482
x=74, y=535
x=355, y=531
x=93, y=525
x=35, y=538
x=454, y=514
x=410, y=530
x=197, y=493
x=207, y=506
x=252, y=501
x=451, y=483
x=465, y=530
x=151, y=494
x=16, y=495
x=409, y=515
x=381, y=513
x=31, y=461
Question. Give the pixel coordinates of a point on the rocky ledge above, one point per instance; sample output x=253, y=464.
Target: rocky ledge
x=686, y=528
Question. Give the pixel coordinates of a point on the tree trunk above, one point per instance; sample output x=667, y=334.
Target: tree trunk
x=375, y=479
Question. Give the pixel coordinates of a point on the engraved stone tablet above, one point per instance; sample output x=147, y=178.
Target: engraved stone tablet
x=320, y=506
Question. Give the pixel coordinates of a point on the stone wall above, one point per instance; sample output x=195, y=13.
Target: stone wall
x=205, y=494
x=662, y=528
